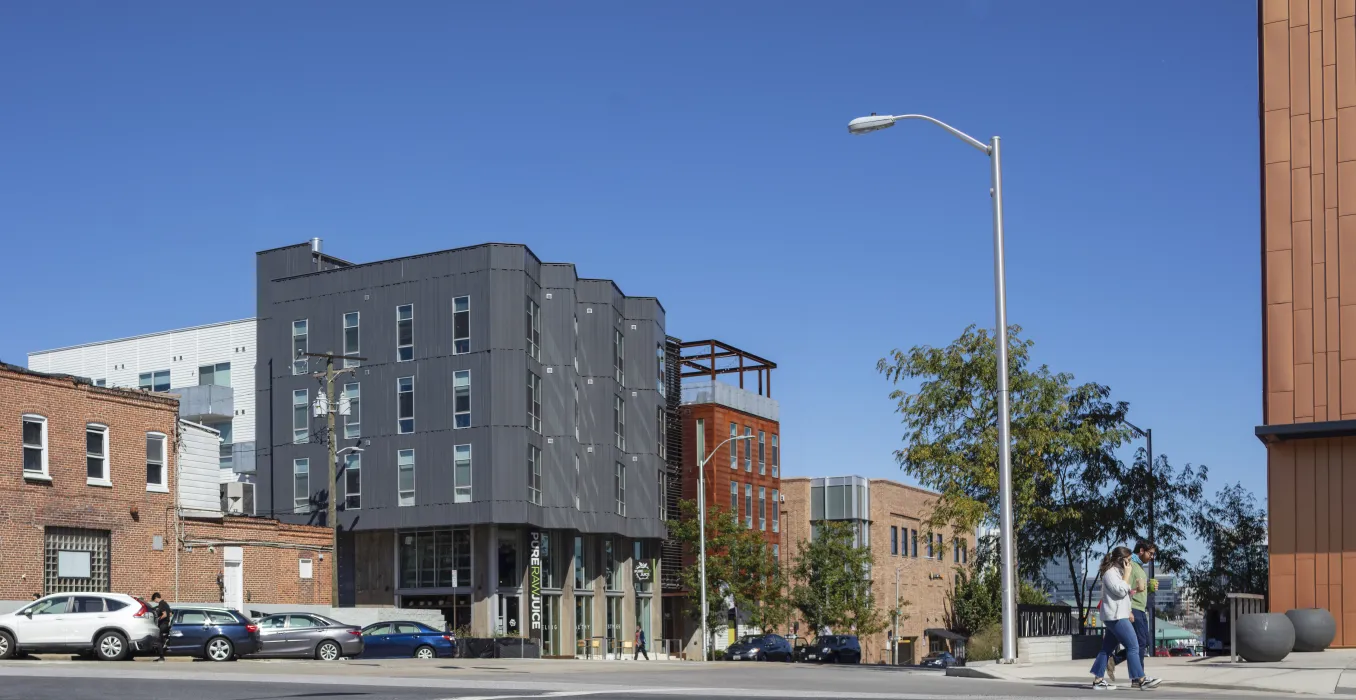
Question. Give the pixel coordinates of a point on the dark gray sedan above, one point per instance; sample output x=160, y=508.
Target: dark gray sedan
x=308, y=636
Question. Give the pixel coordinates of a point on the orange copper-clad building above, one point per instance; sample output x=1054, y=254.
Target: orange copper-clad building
x=1307, y=75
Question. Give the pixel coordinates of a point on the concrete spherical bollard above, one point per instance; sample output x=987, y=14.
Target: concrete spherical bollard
x=1315, y=628
x=1264, y=637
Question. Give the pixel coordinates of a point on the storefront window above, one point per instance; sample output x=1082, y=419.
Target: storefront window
x=435, y=558
x=583, y=622
x=510, y=576
x=611, y=571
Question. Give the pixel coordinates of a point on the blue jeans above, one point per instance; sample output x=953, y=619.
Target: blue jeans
x=1141, y=633
x=1122, y=631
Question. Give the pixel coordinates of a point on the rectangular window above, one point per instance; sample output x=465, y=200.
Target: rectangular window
x=762, y=508
x=405, y=405
x=533, y=330
x=776, y=457
x=965, y=553
x=748, y=506
x=300, y=346
x=353, y=422
x=405, y=333
x=405, y=476
x=226, y=443
x=158, y=380
x=748, y=449
x=734, y=498
x=301, y=485
x=734, y=446
x=662, y=361
x=215, y=375
x=581, y=571
x=461, y=474
x=461, y=325
x=619, y=421
x=939, y=548
x=353, y=480
x=301, y=422
x=619, y=356
x=351, y=345
x=621, y=489
x=96, y=454
x=534, y=474
x=612, y=579
x=776, y=510
x=913, y=538
x=762, y=453
x=931, y=552
x=955, y=551
x=894, y=539
x=576, y=482
x=663, y=433
x=663, y=483
x=155, y=462
x=533, y=402
x=461, y=398
x=701, y=439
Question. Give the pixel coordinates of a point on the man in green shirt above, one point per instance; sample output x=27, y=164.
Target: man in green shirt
x=1140, y=582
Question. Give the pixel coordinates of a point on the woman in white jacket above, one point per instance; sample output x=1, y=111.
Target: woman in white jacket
x=1116, y=616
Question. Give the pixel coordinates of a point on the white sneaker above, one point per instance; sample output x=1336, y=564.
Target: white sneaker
x=1101, y=684
x=1147, y=683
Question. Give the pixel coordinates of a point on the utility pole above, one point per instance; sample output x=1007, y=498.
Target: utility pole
x=332, y=484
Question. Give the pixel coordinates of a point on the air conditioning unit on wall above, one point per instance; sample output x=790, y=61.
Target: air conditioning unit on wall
x=237, y=498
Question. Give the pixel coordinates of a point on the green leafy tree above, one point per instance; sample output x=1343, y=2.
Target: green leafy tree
x=1176, y=502
x=1234, y=531
x=739, y=566
x=832, y=585
x=975, y=603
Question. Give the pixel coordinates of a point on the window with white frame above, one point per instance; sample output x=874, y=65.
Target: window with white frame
x=353, y=480
x=534, y=474
x=157, y=477
x=405, y=476
x=461, y=325
x=405, y=405
x=533, y=402
x=621, y=488
x=353, y=422
x=748, y=506
x=159, y=380
x=351, y=340
x=619, y=356
x=762, y=453
x=734, y=447
x=405, y=333
x=619, y=421
x=461, y=398
x=748, y=449
x=300, y=346
x=776, y=508
x=96, y=454
x=734, y=499
x=301, y=422
x=461, y=474
x=301, y=485
x=218, y=374
x=35, y=445
x=533, y=330
x=762, y=508
x=776, y=457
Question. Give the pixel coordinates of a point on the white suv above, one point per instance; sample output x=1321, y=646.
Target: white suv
x=111, y=626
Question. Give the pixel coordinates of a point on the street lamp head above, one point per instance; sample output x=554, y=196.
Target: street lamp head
x=866, y=125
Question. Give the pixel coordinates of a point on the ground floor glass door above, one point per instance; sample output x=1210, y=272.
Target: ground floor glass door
x=510, y=618
x=550, y=625
x=643, y=616
x=583, y=623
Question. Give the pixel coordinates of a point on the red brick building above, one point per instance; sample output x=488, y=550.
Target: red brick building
x=94, y=484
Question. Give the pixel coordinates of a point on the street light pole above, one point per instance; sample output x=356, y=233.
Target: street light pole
x=1148, y=434
x=701, y=529
x=864, y=125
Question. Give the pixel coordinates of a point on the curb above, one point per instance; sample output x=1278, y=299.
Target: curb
x=973, y=672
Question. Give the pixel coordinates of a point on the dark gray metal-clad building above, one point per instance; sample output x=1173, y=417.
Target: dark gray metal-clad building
x=504, y=406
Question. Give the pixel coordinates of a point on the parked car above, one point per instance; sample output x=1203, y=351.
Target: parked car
x=110, y=626
x=385, y=640
x=308, y=636
x=760, y=647
x=215, y=634
x=834, y=649
x=939, y=660
x=1162, y=651
x=1181, y=651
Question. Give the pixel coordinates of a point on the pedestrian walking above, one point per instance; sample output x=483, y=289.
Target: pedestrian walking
x=163, y=616
x=640, y=645
x=1116, y=617
x=1145, y=552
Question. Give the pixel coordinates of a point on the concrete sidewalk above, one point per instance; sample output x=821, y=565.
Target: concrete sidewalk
x=1327, y=673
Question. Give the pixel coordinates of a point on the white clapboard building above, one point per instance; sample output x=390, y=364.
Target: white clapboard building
x=210, y=367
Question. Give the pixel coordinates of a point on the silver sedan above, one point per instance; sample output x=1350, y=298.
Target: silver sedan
x=308, y=636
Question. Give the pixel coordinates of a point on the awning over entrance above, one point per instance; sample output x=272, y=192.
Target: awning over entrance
x=944, y=634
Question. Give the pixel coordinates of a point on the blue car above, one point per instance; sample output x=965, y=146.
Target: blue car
x=215, y=634
x=402, y=640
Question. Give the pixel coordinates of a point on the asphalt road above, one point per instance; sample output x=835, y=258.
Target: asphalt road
x=55, y=687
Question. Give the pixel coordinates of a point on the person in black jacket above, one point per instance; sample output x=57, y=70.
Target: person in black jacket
x=163, y=616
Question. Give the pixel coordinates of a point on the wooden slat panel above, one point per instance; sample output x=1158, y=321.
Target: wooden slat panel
x=1281, y=481
x=1304, y=504
x=1305, y=581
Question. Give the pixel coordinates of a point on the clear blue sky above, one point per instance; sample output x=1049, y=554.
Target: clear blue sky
x=696, y=152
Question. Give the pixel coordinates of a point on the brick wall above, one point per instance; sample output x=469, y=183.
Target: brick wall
x=923, y=582
x=132, y=516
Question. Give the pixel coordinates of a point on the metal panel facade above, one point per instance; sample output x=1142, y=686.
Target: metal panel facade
x=499, y=280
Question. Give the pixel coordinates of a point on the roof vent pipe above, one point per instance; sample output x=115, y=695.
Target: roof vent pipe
x=315, y=246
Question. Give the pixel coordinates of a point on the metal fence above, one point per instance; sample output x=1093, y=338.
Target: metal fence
x=1242, y=604
x=1046, y=621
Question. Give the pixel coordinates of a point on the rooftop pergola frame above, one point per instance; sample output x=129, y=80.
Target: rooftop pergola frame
x=711, y=358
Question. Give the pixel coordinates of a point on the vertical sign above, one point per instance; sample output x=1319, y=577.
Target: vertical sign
x=534, y=585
